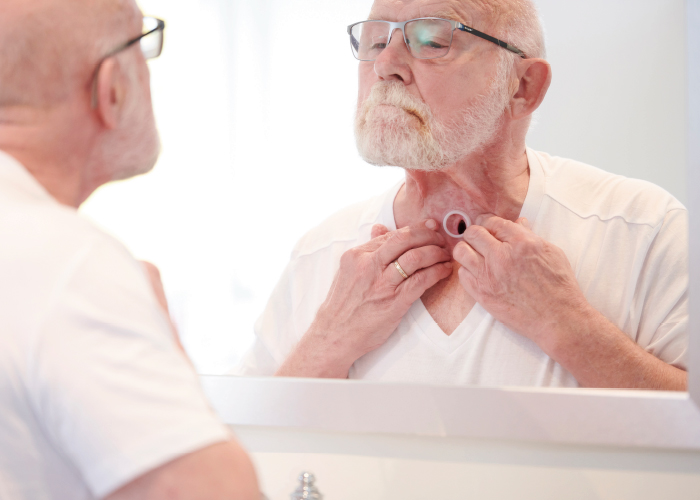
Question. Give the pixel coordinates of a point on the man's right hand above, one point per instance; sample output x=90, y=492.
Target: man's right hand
x=368, y=298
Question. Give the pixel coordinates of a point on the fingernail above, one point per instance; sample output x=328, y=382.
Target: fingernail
x=431, y=224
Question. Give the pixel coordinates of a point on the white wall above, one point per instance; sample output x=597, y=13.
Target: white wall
x=258, y=144
x=618, y=95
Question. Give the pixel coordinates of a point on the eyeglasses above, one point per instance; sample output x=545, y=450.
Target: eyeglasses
x=151, y=41
x=425, y=37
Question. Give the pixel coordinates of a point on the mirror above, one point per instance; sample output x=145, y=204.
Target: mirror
x=258, y=143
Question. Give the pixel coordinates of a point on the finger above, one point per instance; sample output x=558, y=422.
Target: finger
x=415, y=236
x=375, y=243
x=468, y=258
x=154, y=279
x=151, y=269
x=523, y=222
x=153, y=275
x=469, y=282
x=414, y=260
x=502, y=229
x=379, y=230
x=481, y=240
x=415, y=286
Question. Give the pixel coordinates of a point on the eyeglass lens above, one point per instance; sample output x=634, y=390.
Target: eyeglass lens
x=426, y=38
x=151, y=44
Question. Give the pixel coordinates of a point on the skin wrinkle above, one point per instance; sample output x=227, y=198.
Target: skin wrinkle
x=466, y=160
x=523, y=281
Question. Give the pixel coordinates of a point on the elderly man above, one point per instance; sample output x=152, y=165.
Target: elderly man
x=97, y=400
x=569, y=276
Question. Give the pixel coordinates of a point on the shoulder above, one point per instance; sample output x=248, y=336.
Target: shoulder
x=590, y=192
x=44, y=245
x=347, y=227
x=52, y=235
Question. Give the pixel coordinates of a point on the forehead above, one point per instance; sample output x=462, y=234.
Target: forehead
x=402, y=10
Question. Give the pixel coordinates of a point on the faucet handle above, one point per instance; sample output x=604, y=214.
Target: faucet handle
x=306, y=489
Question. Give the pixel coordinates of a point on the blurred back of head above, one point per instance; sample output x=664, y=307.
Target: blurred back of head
x=49, y=48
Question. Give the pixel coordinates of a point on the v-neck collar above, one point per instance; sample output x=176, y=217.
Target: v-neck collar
x=448, y=343
x=478, y=315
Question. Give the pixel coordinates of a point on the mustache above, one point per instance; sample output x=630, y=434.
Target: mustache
x=395, y=94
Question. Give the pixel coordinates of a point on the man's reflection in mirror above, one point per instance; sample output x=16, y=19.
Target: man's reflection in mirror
x=548, y=273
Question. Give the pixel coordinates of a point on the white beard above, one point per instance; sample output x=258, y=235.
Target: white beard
x=393, y=127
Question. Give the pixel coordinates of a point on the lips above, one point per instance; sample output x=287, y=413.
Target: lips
x=414, y=113
x=408, y=111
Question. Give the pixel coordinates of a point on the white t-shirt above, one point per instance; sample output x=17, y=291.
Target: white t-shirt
x=93, y=390
x=626, y=240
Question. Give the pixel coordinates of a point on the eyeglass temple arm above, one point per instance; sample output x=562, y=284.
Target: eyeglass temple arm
x=159, y=27
x=491, y=39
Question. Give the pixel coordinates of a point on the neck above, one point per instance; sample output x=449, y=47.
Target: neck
x=50, y=149
x=488, y=182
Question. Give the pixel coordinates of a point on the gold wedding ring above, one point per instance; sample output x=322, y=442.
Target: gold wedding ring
x=398, y=268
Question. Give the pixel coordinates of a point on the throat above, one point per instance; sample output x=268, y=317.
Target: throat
x=448, y=303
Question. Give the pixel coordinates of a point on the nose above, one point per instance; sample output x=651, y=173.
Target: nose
x=393, y=63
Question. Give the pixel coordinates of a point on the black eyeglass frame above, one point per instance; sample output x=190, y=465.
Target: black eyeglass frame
x=160, y=26
x=455, y=25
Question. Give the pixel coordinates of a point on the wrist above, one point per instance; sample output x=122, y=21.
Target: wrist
x=319, y=354
x=563, y=335
x=332, y=352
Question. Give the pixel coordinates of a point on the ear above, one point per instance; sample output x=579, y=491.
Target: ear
x=534, y=77
x=109, y=93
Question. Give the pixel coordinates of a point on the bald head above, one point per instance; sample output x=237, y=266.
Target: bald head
x=49, y=48
x=515, y=21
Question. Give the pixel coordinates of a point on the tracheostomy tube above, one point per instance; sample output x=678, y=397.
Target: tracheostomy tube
x=463, y=222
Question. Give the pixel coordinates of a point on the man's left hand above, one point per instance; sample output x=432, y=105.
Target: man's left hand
x=522, y=280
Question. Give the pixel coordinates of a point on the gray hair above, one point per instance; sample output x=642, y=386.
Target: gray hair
x=514, y=21
x=522, y=27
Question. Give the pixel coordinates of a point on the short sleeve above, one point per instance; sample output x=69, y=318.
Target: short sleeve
x=257, y=362
x=275, y=330
x=114, y=394
x=662, y=292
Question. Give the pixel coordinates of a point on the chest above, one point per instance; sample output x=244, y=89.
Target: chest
x=448, y=303
x=481, y=351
